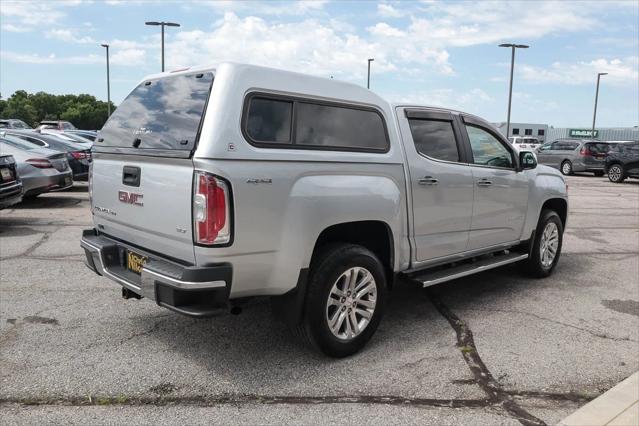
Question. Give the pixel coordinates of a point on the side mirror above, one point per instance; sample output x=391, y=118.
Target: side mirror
x=527, y=160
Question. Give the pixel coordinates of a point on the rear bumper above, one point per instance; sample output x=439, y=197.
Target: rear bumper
x=10, y=194
x=189, y=290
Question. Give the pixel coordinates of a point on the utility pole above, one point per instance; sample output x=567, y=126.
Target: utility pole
x=162, y=24
x=368, y=80
x=512, y=69
x=594, y=114
x=108, y=82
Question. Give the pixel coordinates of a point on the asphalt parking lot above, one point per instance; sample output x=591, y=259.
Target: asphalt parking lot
x=494, y=348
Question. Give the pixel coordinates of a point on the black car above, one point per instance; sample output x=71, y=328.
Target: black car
x=10, y=185
x=78, y=155
x=623, y=161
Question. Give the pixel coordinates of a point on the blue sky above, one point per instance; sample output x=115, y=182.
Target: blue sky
x=430, y=52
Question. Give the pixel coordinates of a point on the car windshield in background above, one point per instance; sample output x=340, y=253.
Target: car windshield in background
x=160, y=114
x=18, y=143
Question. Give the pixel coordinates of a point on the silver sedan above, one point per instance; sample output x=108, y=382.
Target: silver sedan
x=40, y=169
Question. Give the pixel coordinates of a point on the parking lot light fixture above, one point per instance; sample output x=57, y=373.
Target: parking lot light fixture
x=108, y=81
x=162, y=24
x=512, y=68
x=594, y=115
x=368, y=80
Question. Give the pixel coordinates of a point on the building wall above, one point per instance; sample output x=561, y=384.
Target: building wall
x=605, y=134
x=519, y=129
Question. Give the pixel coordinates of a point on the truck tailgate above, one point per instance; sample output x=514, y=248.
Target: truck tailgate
x=155, y=214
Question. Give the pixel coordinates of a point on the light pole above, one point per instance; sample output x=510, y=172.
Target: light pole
x=512, y=68
x=594, y=115
x=162, y=24
x=108, y=82
x=368, y=80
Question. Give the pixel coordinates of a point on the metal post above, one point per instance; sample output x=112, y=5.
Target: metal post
x=512, y=69
x=368, y=80
x=162, y=46
x=510, y=90
x=162, y=24
x=594, y=114
x=108, y=82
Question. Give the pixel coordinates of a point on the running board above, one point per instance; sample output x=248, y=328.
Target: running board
x=438, y=275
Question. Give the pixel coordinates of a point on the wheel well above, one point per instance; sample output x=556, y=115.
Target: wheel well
x=374, y=235
x=558, y=205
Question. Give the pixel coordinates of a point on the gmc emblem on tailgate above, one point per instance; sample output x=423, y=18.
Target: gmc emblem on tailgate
x=130, y=198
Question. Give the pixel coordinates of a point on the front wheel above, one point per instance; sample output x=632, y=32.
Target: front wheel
x=566, y=168
x=615, y=173
x=546, y=245
x=345, y=301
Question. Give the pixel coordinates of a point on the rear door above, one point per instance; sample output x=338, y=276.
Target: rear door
x=596, y=153
x=142, y=168
x=440, y=180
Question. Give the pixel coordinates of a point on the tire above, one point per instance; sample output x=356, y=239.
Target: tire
x=566, y=168
x=616, y=173
x=329, y=273
x=536, y=265
x=599, y=174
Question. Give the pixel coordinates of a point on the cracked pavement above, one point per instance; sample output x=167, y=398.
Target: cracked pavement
x=495, y=348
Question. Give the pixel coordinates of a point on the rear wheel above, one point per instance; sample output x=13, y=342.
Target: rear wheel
x=546, y=245
x=566, y=168
x=615, y=173
x=346, y=300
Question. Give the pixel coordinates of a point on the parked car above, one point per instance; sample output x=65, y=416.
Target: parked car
x=40, y=169
x=574, y=155
x=56, y=124
x=525, y=142
x=78, y=155
x=10, y=184
x=320, y=197
x=87, y=134
x=13, y=123
x=622, y=161
x=66, y=136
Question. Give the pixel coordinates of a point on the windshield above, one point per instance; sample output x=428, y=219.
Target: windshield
x=160, y=114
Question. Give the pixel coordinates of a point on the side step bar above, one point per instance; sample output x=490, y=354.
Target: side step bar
x=439, y=275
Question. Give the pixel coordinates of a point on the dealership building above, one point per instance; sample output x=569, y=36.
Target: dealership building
x=544, y=132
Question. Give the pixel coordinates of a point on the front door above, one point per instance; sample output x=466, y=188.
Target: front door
x=441, y=183
x=500, y=191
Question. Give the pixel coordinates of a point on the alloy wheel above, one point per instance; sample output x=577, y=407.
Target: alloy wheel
x=549, y=244
x=351, y=303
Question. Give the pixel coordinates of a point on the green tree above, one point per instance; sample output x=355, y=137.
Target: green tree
x=84, y=111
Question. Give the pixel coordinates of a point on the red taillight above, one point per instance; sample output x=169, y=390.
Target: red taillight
x=585, y=152
x=79, y=155
x=40, y=163
x=211, y=210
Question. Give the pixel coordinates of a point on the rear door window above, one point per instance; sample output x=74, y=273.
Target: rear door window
x=598, y=148
x=163, y=114
x=434, y=139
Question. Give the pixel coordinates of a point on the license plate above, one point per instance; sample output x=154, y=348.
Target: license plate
x=135, y=262
x=6, y=174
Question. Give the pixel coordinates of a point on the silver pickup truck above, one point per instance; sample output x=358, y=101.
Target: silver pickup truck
x=213, y=185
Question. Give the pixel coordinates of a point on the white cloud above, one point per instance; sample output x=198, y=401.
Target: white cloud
x=620, y=72
x=276, y=8
x=68, y=35
x=388, y=11
x=126, y=57
x=385, y=30
x=307, y=46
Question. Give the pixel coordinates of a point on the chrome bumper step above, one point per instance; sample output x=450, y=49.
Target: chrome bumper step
x=440, y=275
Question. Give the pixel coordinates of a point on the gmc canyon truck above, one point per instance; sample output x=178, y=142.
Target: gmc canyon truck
x=213, y=185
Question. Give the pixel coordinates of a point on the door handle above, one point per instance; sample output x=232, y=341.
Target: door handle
x=484, y=182
x=428, y=180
